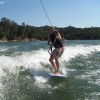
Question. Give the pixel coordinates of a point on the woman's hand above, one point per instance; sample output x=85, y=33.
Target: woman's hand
x=62, y=48
x=50, y=44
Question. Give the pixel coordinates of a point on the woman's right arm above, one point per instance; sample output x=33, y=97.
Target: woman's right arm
x=49, y=42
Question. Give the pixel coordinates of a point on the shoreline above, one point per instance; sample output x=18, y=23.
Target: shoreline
x=32, y=40
x=18, y=40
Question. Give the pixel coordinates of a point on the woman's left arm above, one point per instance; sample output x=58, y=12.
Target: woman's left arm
x=58, y=36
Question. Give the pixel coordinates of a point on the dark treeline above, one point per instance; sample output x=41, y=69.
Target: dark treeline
x=10, y=30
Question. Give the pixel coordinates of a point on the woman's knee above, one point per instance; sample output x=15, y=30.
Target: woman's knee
x=51, y=59
x=56, y=59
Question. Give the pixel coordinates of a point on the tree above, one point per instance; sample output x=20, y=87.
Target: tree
x=5, y=23
x=1, y=32
x=13, y=31
x=24, y=34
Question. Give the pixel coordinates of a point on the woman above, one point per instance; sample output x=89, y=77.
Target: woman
x=54, y=39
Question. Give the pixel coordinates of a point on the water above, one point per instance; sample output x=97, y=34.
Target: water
x=24, y=69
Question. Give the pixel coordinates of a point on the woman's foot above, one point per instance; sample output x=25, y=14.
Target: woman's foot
x=57, y=72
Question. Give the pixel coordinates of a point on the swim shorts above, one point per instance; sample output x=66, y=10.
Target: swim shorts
x=57, y=52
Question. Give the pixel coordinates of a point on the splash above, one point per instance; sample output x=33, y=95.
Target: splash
x=73, y=51
x=36, y=59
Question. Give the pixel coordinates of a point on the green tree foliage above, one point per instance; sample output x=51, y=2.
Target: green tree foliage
x=10, y=30
x=5, y=24
x=1, y=32
x=13, y=31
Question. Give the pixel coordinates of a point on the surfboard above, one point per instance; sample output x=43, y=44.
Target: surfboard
x=57, y=75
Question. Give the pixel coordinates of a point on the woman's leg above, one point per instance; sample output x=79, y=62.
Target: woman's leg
x=57, y=64
x=58, y=55
x=52, y=63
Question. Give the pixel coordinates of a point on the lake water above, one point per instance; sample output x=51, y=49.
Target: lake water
x=24, y=69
